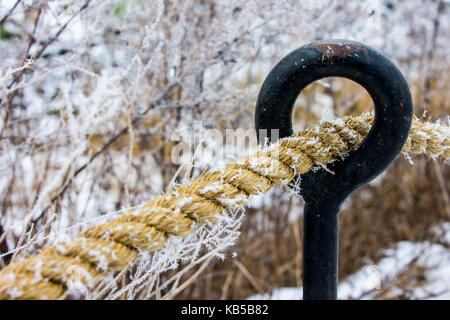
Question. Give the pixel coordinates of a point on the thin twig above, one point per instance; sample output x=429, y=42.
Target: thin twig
x=9, y=12
x=249, y=276
x=190, y=280
x=34, y=58
x=103, y=149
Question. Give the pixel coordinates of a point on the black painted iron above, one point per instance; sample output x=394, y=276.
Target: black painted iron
x=324, y=192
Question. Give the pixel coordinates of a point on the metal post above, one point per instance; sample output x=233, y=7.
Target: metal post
x=320, y=251
x=325, y=190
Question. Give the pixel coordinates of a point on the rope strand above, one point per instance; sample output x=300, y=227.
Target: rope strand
x=116, y=244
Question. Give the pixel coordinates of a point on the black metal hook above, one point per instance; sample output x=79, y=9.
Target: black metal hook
x=323, y=191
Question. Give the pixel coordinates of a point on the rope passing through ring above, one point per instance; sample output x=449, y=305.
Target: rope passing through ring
x=116, y=244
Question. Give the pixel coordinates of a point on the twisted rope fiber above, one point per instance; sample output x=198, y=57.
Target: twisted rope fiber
x=116, y=244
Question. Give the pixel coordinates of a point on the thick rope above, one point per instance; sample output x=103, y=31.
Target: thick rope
x=116, y=244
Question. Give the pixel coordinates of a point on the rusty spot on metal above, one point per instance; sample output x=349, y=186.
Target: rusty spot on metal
x=330, y=50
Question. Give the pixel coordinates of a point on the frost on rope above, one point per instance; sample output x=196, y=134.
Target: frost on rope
x=149, y=279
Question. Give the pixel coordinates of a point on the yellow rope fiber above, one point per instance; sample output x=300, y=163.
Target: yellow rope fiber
x=116, y=244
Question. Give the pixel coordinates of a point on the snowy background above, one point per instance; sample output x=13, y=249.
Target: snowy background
x=95, y=95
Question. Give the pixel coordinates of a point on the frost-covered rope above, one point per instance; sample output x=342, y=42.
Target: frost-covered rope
x=116, y=244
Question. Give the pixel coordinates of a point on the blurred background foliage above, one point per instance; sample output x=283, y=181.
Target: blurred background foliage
x=68, y=153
